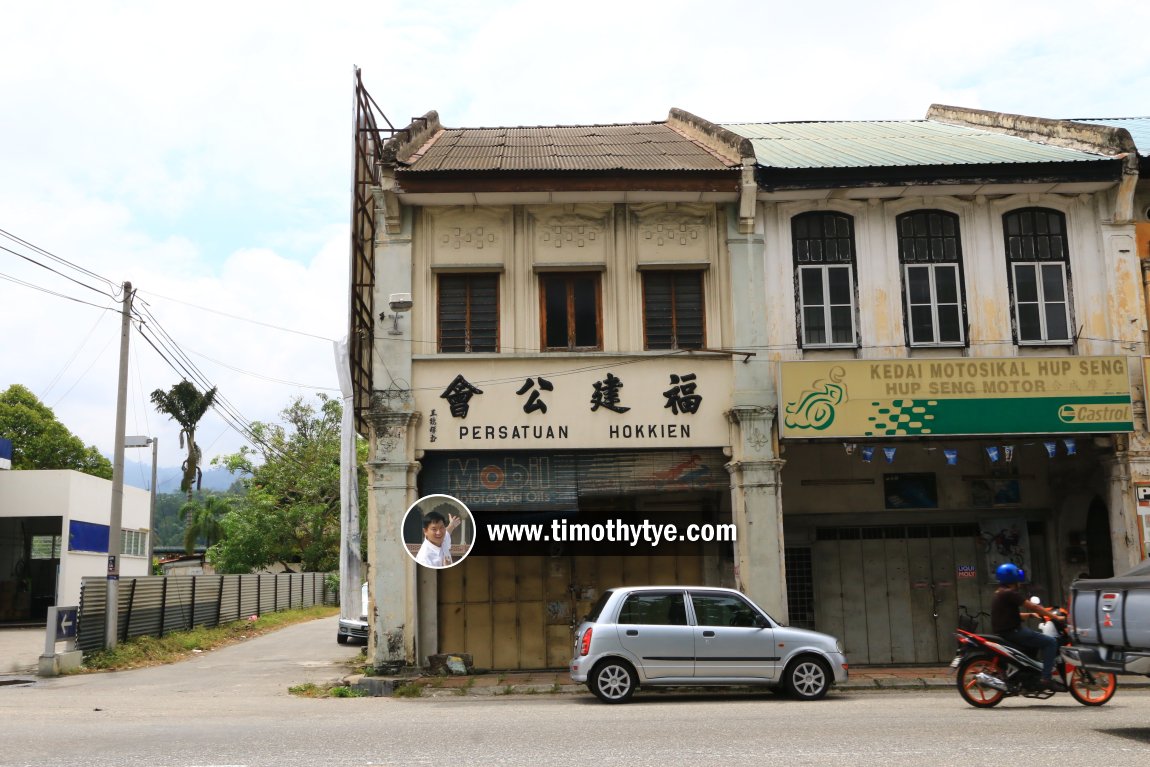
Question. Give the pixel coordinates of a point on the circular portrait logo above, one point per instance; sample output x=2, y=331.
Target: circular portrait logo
x=438, y=531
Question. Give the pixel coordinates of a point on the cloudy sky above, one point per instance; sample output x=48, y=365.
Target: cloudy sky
x=202, y=152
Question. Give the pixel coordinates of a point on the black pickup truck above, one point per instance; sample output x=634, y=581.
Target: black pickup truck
x=1110, y=623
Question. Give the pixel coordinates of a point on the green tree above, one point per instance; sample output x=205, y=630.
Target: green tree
x=186, y=405
x=289, y=512
x=169, y=527
x=39, y=441
x=203, y=521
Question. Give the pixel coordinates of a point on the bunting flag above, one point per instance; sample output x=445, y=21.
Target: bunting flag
x=1008, y=452
x=867, y=454
x=1070, y=446
x=850, y=447
x=992, y=453
x=1051, y=448
x=951, y=456
x=889, y=452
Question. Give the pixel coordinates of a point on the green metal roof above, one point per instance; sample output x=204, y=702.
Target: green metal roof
x=1139, y=128
x=884, y=144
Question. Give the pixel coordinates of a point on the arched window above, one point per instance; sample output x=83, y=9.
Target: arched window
x=824, y=253
x=1038, y=259
x=930, y=252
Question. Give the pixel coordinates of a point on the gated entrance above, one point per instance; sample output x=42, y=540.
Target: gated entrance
x=892, y=592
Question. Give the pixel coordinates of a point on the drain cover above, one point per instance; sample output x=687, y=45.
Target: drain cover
x=4, y=682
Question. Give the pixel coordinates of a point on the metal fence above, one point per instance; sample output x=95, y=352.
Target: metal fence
x=155, y=605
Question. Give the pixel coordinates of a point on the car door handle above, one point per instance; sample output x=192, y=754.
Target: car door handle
x=632, y=633
x=708, y=633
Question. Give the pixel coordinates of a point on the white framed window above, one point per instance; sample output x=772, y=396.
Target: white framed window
x=931, y=254
x=133, y=543
x=1041, y=311
x=823, y=247
x=1038, y=258
x=826, y=297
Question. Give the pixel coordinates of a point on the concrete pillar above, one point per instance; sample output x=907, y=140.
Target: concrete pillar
x=754, y=468
x=391, y=459
x=1130, y=462
x=391, y=573
x=760, y=568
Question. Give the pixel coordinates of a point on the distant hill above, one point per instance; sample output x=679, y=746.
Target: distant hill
x=139, y=474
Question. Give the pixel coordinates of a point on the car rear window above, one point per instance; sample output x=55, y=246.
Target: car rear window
x=593, y=613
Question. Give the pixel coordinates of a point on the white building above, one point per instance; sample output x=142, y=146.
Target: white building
x=951, y=318
x=54, y=532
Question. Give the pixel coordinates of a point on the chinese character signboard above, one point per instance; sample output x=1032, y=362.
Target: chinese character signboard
x=896, y=398
x=561, y=403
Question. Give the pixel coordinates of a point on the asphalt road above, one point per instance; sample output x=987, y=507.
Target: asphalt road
x=231, y=707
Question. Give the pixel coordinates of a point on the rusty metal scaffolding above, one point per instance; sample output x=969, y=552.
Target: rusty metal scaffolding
x=368, y=143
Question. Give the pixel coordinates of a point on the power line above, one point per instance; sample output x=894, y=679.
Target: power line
x=186, y=368
x=51, y=292
x=115, y=289
x=57, y=272
x=262, y=377
x=75, y=354
x=244, y=319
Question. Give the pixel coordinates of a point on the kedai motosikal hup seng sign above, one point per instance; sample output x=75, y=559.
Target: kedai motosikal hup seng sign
x=965, y=396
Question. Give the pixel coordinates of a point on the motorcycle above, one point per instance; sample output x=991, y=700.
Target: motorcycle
x=989, y=670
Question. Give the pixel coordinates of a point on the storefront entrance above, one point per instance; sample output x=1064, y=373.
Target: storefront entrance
x=892, y=592
x=520, y=612
x=515, y=605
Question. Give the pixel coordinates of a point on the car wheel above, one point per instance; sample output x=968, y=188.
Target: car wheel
x=612, y=681
x=808, y=678
x=341, y=638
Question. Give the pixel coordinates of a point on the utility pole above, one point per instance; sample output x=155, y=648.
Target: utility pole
x=152, y=509
x=112, y=614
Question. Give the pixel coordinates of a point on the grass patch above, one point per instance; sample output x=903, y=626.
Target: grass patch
x=311, y=690
x=180, y=645
x=343, y=691
x=307, y=690
x=466, y=687
x=409, y=690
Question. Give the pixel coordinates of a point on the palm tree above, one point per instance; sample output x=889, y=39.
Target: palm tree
x=203, y=521
x=186, y=405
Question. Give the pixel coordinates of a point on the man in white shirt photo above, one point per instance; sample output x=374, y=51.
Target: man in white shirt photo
x=436, y=548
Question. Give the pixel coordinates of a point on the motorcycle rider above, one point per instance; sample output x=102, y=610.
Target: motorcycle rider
x=1007, y=609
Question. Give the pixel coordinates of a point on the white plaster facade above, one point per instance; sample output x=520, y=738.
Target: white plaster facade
x=51, y=501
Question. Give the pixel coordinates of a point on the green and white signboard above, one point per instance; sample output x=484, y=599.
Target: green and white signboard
x=964, y=396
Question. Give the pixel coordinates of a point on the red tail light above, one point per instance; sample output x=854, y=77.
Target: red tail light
x=585, y=643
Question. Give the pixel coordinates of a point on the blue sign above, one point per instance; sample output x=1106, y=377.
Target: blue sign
x=5, y=453
x=66, y=623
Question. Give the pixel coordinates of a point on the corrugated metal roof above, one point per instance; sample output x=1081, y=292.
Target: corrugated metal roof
x=1139, y=128
x=883, y=144
x=631, y=147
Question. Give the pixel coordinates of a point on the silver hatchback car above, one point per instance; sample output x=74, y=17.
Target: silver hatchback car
x=698, y=636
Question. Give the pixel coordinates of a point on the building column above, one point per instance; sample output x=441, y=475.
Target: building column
x=760, y=569
x=391, y=573
x=1129, y=463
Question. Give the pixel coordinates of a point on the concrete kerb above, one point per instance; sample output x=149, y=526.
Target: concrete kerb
x=489, y=685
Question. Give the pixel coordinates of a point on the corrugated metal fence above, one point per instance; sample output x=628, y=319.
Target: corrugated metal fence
x=155, y=605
